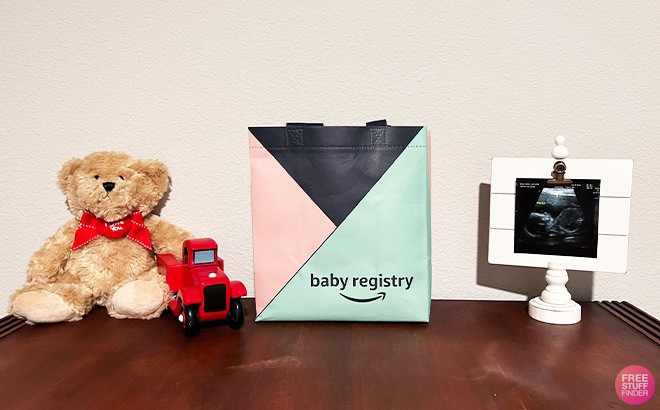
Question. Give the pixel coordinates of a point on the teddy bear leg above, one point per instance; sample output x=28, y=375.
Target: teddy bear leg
x=51, y=302
x=144, y=298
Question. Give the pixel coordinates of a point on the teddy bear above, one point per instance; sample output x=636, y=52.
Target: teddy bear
x=104, y=255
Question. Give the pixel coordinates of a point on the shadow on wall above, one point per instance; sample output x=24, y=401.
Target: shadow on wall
x=161, y=204
x=522, y=280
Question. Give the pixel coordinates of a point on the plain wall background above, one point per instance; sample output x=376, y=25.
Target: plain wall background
x=182, y=81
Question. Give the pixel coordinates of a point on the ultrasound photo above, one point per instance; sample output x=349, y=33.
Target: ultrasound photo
x=557, y=220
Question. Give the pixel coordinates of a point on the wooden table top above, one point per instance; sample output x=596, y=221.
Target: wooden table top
x=472, y=355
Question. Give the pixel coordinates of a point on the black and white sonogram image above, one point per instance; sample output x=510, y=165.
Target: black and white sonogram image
x=557, y=220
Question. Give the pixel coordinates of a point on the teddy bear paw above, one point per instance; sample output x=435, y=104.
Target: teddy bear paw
x=42, y=307
x=139, y=299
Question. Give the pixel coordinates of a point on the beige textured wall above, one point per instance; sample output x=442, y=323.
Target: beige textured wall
x=181, y=81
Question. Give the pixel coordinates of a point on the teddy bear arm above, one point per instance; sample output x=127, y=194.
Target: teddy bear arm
x=48, y=262
x=166, y=237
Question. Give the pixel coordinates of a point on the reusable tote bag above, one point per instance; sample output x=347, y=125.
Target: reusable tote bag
x=340, y=220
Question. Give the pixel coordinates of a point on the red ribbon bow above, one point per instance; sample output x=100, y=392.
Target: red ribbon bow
x=92, y=228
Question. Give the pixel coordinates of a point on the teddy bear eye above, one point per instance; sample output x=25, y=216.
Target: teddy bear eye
x=96, y=177
x=121, y=177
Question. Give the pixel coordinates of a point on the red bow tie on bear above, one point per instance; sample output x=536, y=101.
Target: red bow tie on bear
x=92, y=228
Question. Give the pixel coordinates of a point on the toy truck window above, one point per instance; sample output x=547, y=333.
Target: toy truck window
x=206, y=256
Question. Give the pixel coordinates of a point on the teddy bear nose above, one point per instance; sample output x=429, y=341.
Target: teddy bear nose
x=108, y=186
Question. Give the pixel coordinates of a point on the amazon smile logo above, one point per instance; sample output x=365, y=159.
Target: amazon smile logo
x=377, y=284
x=381, y=296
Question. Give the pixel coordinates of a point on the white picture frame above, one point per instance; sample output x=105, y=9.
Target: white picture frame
x=613, y=216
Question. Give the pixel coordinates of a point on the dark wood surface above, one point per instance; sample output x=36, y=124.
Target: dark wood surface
x=472, y=355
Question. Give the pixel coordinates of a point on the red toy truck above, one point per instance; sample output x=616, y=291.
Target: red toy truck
x=202, y=291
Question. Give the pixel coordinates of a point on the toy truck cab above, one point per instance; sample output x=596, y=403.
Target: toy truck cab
x=202, y=291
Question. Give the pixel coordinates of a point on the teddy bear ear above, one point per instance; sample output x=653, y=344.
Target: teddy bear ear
x=65, y=176
x=155, y=170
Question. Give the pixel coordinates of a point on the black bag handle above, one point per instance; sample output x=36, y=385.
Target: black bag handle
x=377, y=123
x=303, y=124
x=295, y=132
x=378, y=132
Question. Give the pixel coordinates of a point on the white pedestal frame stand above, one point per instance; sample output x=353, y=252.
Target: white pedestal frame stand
x=614, y=197
x=555, y=304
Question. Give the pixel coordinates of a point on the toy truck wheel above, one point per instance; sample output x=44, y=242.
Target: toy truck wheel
x=236, y=314
x=190, y=320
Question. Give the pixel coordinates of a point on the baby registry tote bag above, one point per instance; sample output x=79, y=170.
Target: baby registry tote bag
x=341, y=222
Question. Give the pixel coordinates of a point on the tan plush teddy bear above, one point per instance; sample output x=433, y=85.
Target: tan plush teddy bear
x=105, y=254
